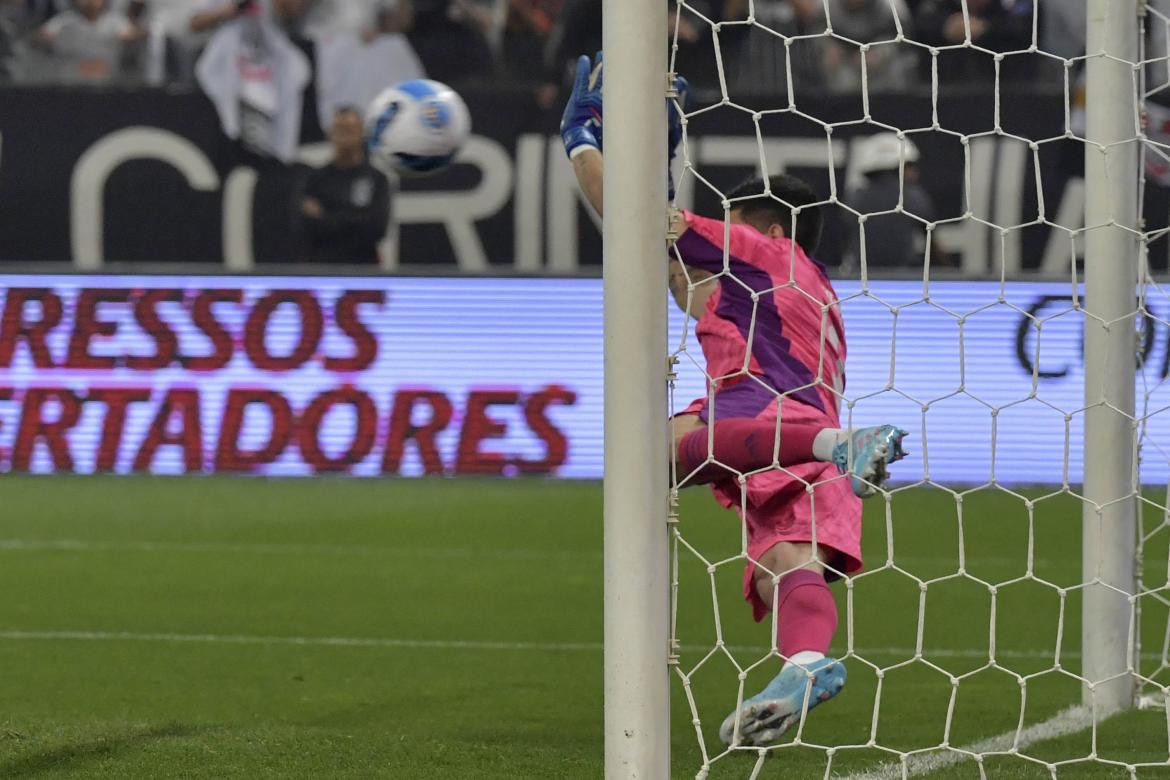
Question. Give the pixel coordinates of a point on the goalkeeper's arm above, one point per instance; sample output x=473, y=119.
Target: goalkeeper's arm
x=581, y=126
x=587, y=166
x=581, y=129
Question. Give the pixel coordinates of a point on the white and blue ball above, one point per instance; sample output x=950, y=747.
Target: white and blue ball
x=416, y=127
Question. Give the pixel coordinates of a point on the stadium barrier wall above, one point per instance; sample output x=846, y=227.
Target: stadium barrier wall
x=408, y=376
x=147, y=177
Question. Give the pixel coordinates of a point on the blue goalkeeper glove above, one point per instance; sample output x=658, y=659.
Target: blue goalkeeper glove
x=675, y=129
x=581, y=122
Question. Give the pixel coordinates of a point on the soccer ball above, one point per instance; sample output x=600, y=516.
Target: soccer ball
x=416, y=127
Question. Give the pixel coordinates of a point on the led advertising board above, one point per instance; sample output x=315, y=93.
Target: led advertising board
x=405, y=376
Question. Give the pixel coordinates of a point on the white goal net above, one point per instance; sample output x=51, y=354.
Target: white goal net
x=1012, y=617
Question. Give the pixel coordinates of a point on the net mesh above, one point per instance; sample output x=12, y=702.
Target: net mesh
x=962, y=634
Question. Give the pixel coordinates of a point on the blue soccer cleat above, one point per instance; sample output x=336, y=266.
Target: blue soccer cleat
x=764, y=718
x=872, y=450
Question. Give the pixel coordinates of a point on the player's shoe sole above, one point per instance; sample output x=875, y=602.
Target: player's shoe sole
x=872, y=450
x=763, y=719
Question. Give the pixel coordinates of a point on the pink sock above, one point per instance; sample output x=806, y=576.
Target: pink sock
x=806, y=614
x=744, y=445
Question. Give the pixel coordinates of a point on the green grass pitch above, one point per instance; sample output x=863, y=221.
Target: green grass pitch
x=218, y=628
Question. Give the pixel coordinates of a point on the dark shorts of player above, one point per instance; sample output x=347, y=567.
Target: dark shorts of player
x=810, y=503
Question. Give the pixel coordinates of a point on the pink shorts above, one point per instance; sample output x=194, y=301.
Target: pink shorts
x=810, y=502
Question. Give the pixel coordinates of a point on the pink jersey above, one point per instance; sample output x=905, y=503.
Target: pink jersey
x=798, y=343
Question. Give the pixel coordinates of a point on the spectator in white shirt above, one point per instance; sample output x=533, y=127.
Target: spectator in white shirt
x=354, y=66
x=171, y=45
x=341, y=17
x=89, y=43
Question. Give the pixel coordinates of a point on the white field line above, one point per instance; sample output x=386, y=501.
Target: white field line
x=258, y=548
x=1068, y=721
x=441, y=644
x=308, y=641
x=275, y=548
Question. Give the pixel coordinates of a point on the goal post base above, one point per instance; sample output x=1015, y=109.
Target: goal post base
x=1152, y=701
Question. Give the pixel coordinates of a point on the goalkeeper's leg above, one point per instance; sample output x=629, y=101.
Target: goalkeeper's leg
x=745, y=445
x=806, y=619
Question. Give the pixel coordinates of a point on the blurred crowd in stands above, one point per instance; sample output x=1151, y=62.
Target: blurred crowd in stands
x=533, y=41
x=284, y=73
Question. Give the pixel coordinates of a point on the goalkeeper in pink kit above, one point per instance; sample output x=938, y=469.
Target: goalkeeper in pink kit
x=771, y=331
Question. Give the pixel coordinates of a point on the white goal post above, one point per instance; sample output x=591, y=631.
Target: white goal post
x=636, y=551
x=1112, y=235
